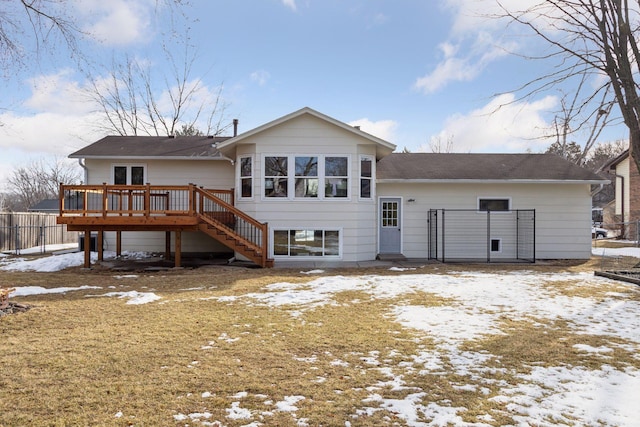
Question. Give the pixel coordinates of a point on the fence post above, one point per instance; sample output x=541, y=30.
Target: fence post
x=17, y=239
x=43, y=239
x=488, y=235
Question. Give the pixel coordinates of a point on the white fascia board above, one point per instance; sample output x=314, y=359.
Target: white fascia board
x=489, y=181
x=150, y=158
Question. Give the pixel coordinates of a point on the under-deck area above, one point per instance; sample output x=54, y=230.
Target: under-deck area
x=170, y=209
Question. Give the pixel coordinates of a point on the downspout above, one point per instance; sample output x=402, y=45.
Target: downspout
x=621, y=200
x=86, y=170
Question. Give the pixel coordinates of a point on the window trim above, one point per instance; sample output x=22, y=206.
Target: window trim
x=508, y=199
x=128, y=166
x=251, y=177
x=339, y=230
x=291, y=177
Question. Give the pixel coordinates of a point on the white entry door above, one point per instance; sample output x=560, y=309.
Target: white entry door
x=390, y=225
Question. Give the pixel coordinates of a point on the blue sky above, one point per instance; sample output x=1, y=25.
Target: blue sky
x=407, y=71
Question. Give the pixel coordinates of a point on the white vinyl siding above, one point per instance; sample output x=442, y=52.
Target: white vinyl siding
x=563, y=214
x=215, y=174
x=310, y=137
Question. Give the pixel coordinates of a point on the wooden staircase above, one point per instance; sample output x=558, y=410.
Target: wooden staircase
x=233, y=228
x=169, y=208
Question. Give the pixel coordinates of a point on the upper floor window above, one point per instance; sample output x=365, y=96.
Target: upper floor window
x=128, y=175
x=276, y=175
x=494, y=204
x=336, y=172
x=306, y=182
x=366, y=177
x=305, y=175
x=246, y=177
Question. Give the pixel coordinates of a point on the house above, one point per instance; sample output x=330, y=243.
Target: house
x=307, y=186
x=627, y=195
x=46, y=206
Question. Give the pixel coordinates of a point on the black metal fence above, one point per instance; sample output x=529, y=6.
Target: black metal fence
x=463, y=235
x=27, y=230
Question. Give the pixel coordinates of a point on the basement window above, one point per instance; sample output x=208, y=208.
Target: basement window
x=306, y=243
x=494, y=204
x=496, y=245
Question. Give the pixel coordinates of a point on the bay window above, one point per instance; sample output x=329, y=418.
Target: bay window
x=246, y=177
x=306, y=175
x=366, y=176
x=306, y=182
x=336, y=172
x=276, y=175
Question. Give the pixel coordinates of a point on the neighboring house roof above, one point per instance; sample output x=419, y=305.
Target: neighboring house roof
x=481, y=167
x=145, y=147
x=611, y=164
x=46, y=205
x=383, y=147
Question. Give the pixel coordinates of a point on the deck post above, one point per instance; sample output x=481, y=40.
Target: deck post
x=99, y=241
x=105, y=200
x=118, y=243
x=265, y=243
x=87, y=248
x=192, y=199
x=147, y=200
x=178, y=259
x=61, y=199
x=167, y=244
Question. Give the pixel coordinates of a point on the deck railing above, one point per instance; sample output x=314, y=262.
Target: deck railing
x=126, y=200
x=212, y=206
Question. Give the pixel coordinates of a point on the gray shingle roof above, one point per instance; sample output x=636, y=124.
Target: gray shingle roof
x=453, y=166
x=151, y=146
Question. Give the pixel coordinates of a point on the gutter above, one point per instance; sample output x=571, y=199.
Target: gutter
x=491, y=181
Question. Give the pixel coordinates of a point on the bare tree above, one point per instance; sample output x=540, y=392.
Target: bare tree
x=596, y=38
x=39, y=180
x=437, y=145
x=574, y=118
x=28, y=26
x=132, y=103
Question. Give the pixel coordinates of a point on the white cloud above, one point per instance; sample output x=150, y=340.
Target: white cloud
x=57, y=93
x=455, y=67
x=503, y=125
x=478, y=37
x=384, y=129
x=291, y=4
x=261, y=77
x=117, y=22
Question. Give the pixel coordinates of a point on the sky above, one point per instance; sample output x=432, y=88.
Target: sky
x=476, y=304
x=410, y=72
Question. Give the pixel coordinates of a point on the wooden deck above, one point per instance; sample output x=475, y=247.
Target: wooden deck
x=172, y=209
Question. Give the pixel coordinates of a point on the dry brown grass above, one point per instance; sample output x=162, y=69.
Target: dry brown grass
x=79, y=359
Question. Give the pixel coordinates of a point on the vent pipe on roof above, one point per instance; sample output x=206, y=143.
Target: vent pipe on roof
x=357, y=127
x=235, y=127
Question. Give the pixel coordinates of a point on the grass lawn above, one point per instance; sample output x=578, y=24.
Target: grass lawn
x=227, y=346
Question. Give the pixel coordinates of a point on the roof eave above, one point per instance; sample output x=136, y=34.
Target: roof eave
x=95, y=157
x=491, y=181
